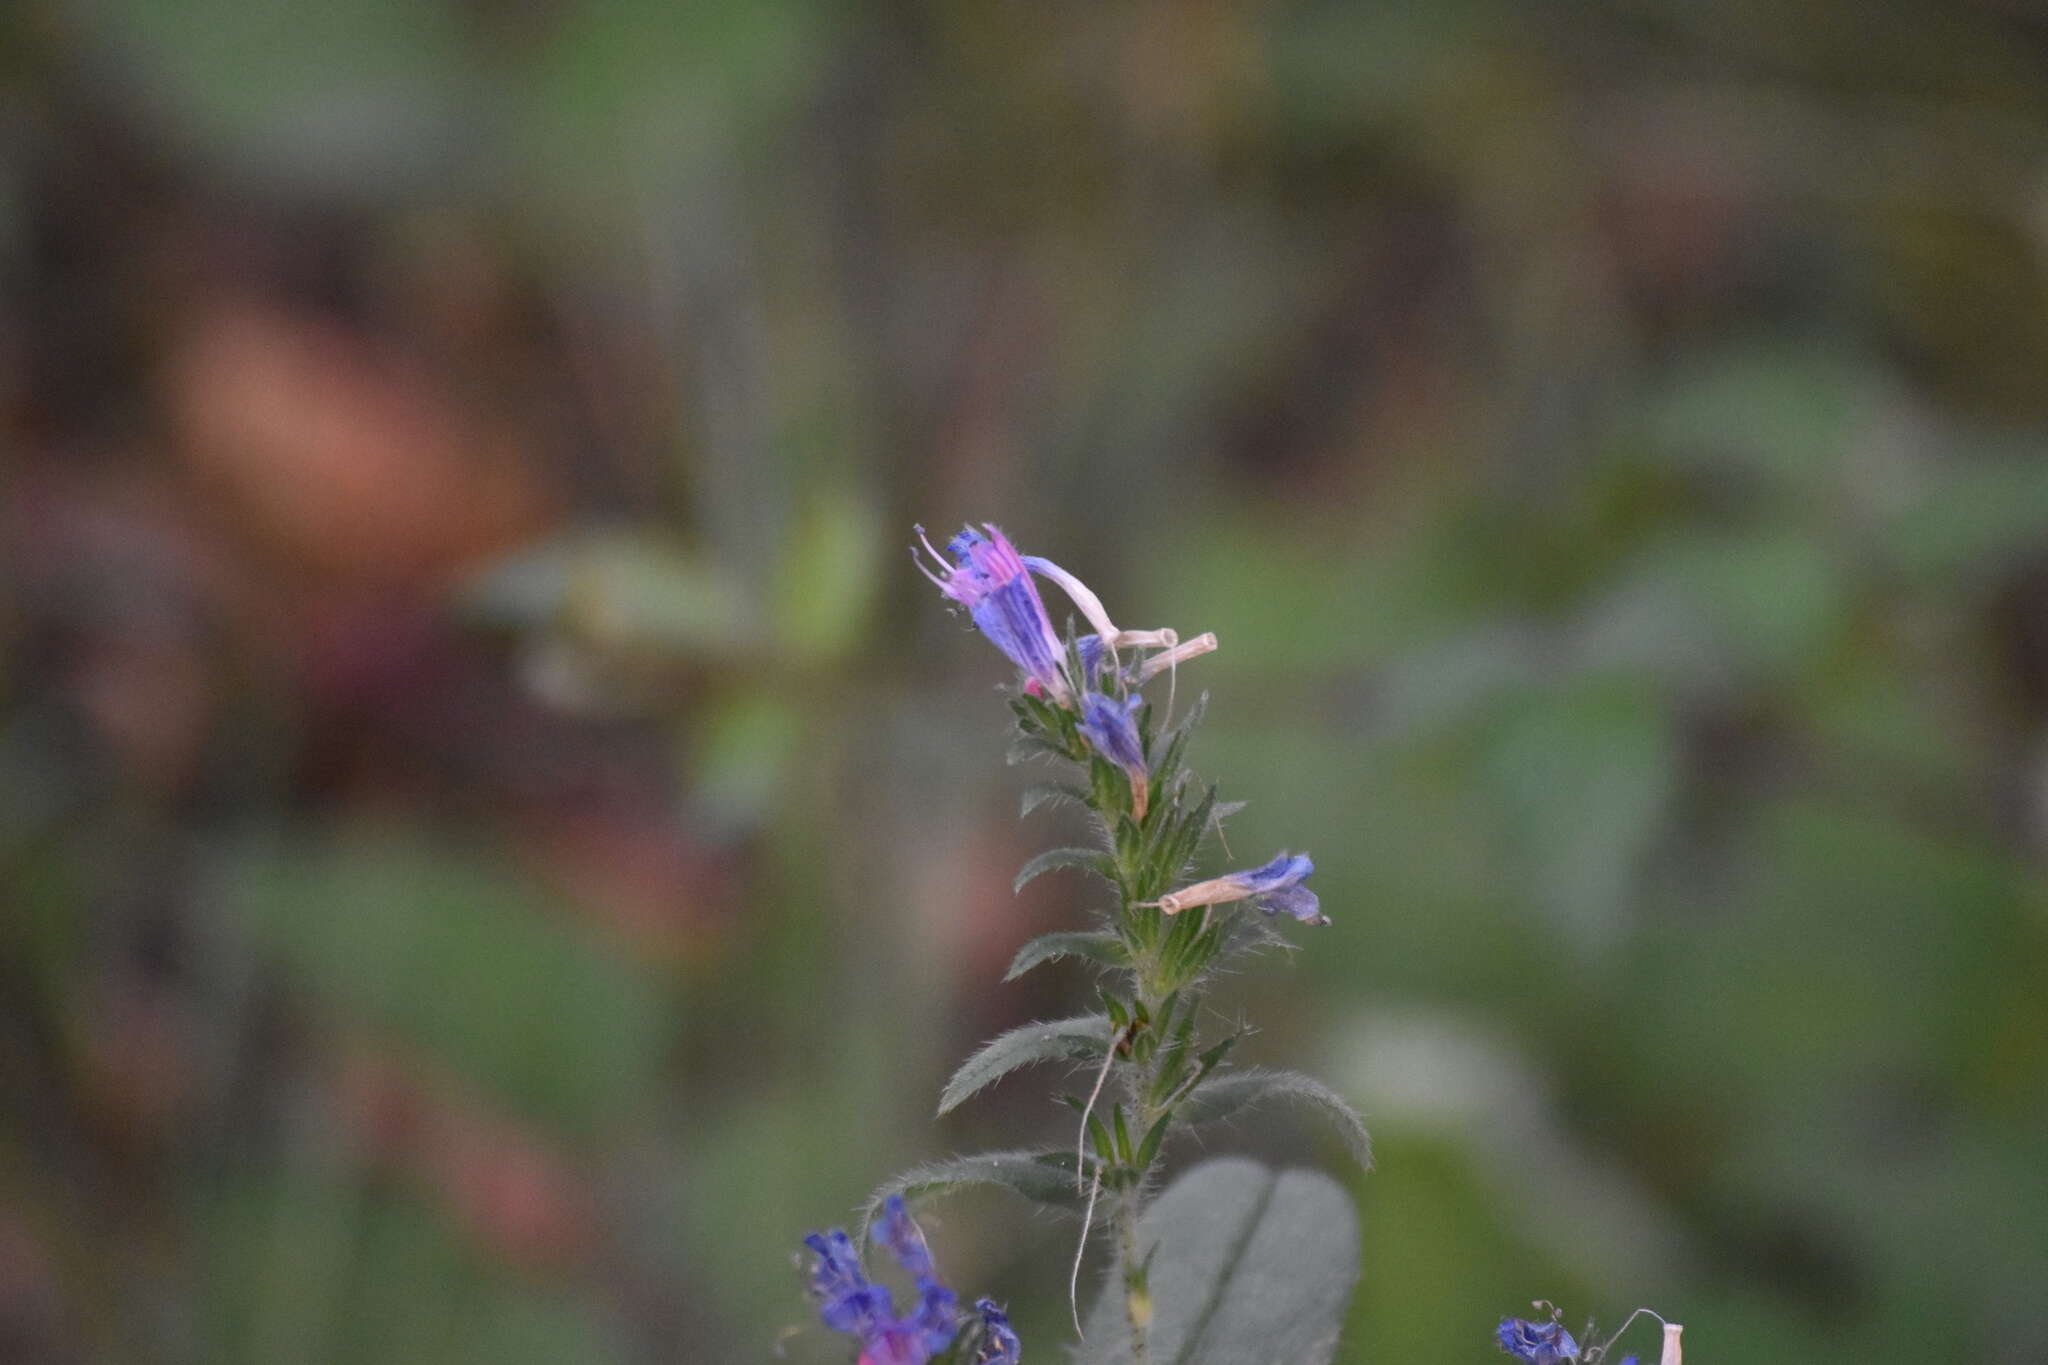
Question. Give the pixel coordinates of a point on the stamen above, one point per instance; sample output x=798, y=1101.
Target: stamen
x=1179, y=654
x=1080, y=594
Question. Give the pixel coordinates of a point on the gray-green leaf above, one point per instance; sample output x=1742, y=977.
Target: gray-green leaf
x=1247, y=1264
x=1043, y=1177
x=1224, y=1095
x=1087, y=859
x=1047, y=794
x=1096, y=946
x=1074, y=1039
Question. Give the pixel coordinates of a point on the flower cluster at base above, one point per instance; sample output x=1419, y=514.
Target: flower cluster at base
x=848, y=1301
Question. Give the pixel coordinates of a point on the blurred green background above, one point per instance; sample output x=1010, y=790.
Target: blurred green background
x=495, y=841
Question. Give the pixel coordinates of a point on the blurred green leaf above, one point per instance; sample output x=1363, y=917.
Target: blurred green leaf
x=453, y=954
x=617, y=590
x=347, y=98
x=746, y=742
x=830, y=574
x=1586, y=776
x=1245, y=1264
x=1975, y=524
x=321, y=1268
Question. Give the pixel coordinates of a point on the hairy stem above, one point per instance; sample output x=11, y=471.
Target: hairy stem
x=1137, y=1295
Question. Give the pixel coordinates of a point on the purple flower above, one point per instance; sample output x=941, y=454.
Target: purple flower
x=999, y=1345
x=1111, y=726
x=988, y=577
x=850, y=1302
x=1538, y=1343
x=1273, y=887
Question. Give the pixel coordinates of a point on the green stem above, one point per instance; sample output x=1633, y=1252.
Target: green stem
x=1137, y=1295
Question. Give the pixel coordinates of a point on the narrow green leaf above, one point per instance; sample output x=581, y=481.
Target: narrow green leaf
x=1029, y=746
x=1123, y=1133
x=1086, y=859
x=1173, y=1062
x=1099, y=1136
x=1047, y=794
x=1101, y=947
x=1148, y=1148
x=1187, y=840
x=1228, y=1094
x=1214, y=1056
x=1054, y=1040
x=1177, y=742
x=1118, y=1015
x=1044, y=1177
x=1243, y=1264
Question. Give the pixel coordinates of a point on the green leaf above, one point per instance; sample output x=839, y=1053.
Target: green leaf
x=1238, y=1090
x=1178, y=849
x=1086, y=859
x=1148, y=1148
x=1049, y=793
x=1097, y=946
x=1055, y=1040
x=1044, y=1177
x=1245, y=1264
x=455, y=956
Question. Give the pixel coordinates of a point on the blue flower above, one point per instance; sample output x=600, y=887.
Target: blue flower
x=988, y=577
x=999, y=1345
x=850, y=1302
x=1111, y=726
x=1538, y=1343
x=1273, y=887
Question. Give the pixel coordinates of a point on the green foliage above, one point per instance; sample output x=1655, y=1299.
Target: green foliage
x=1045, y=1177
x=1096, y=946
x=1057, y=1040
x=1242, y=1263
x=459, y=959
x=1234, y=1091
x=1056, y=859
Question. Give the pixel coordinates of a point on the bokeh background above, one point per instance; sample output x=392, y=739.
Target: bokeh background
x=495, y=841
